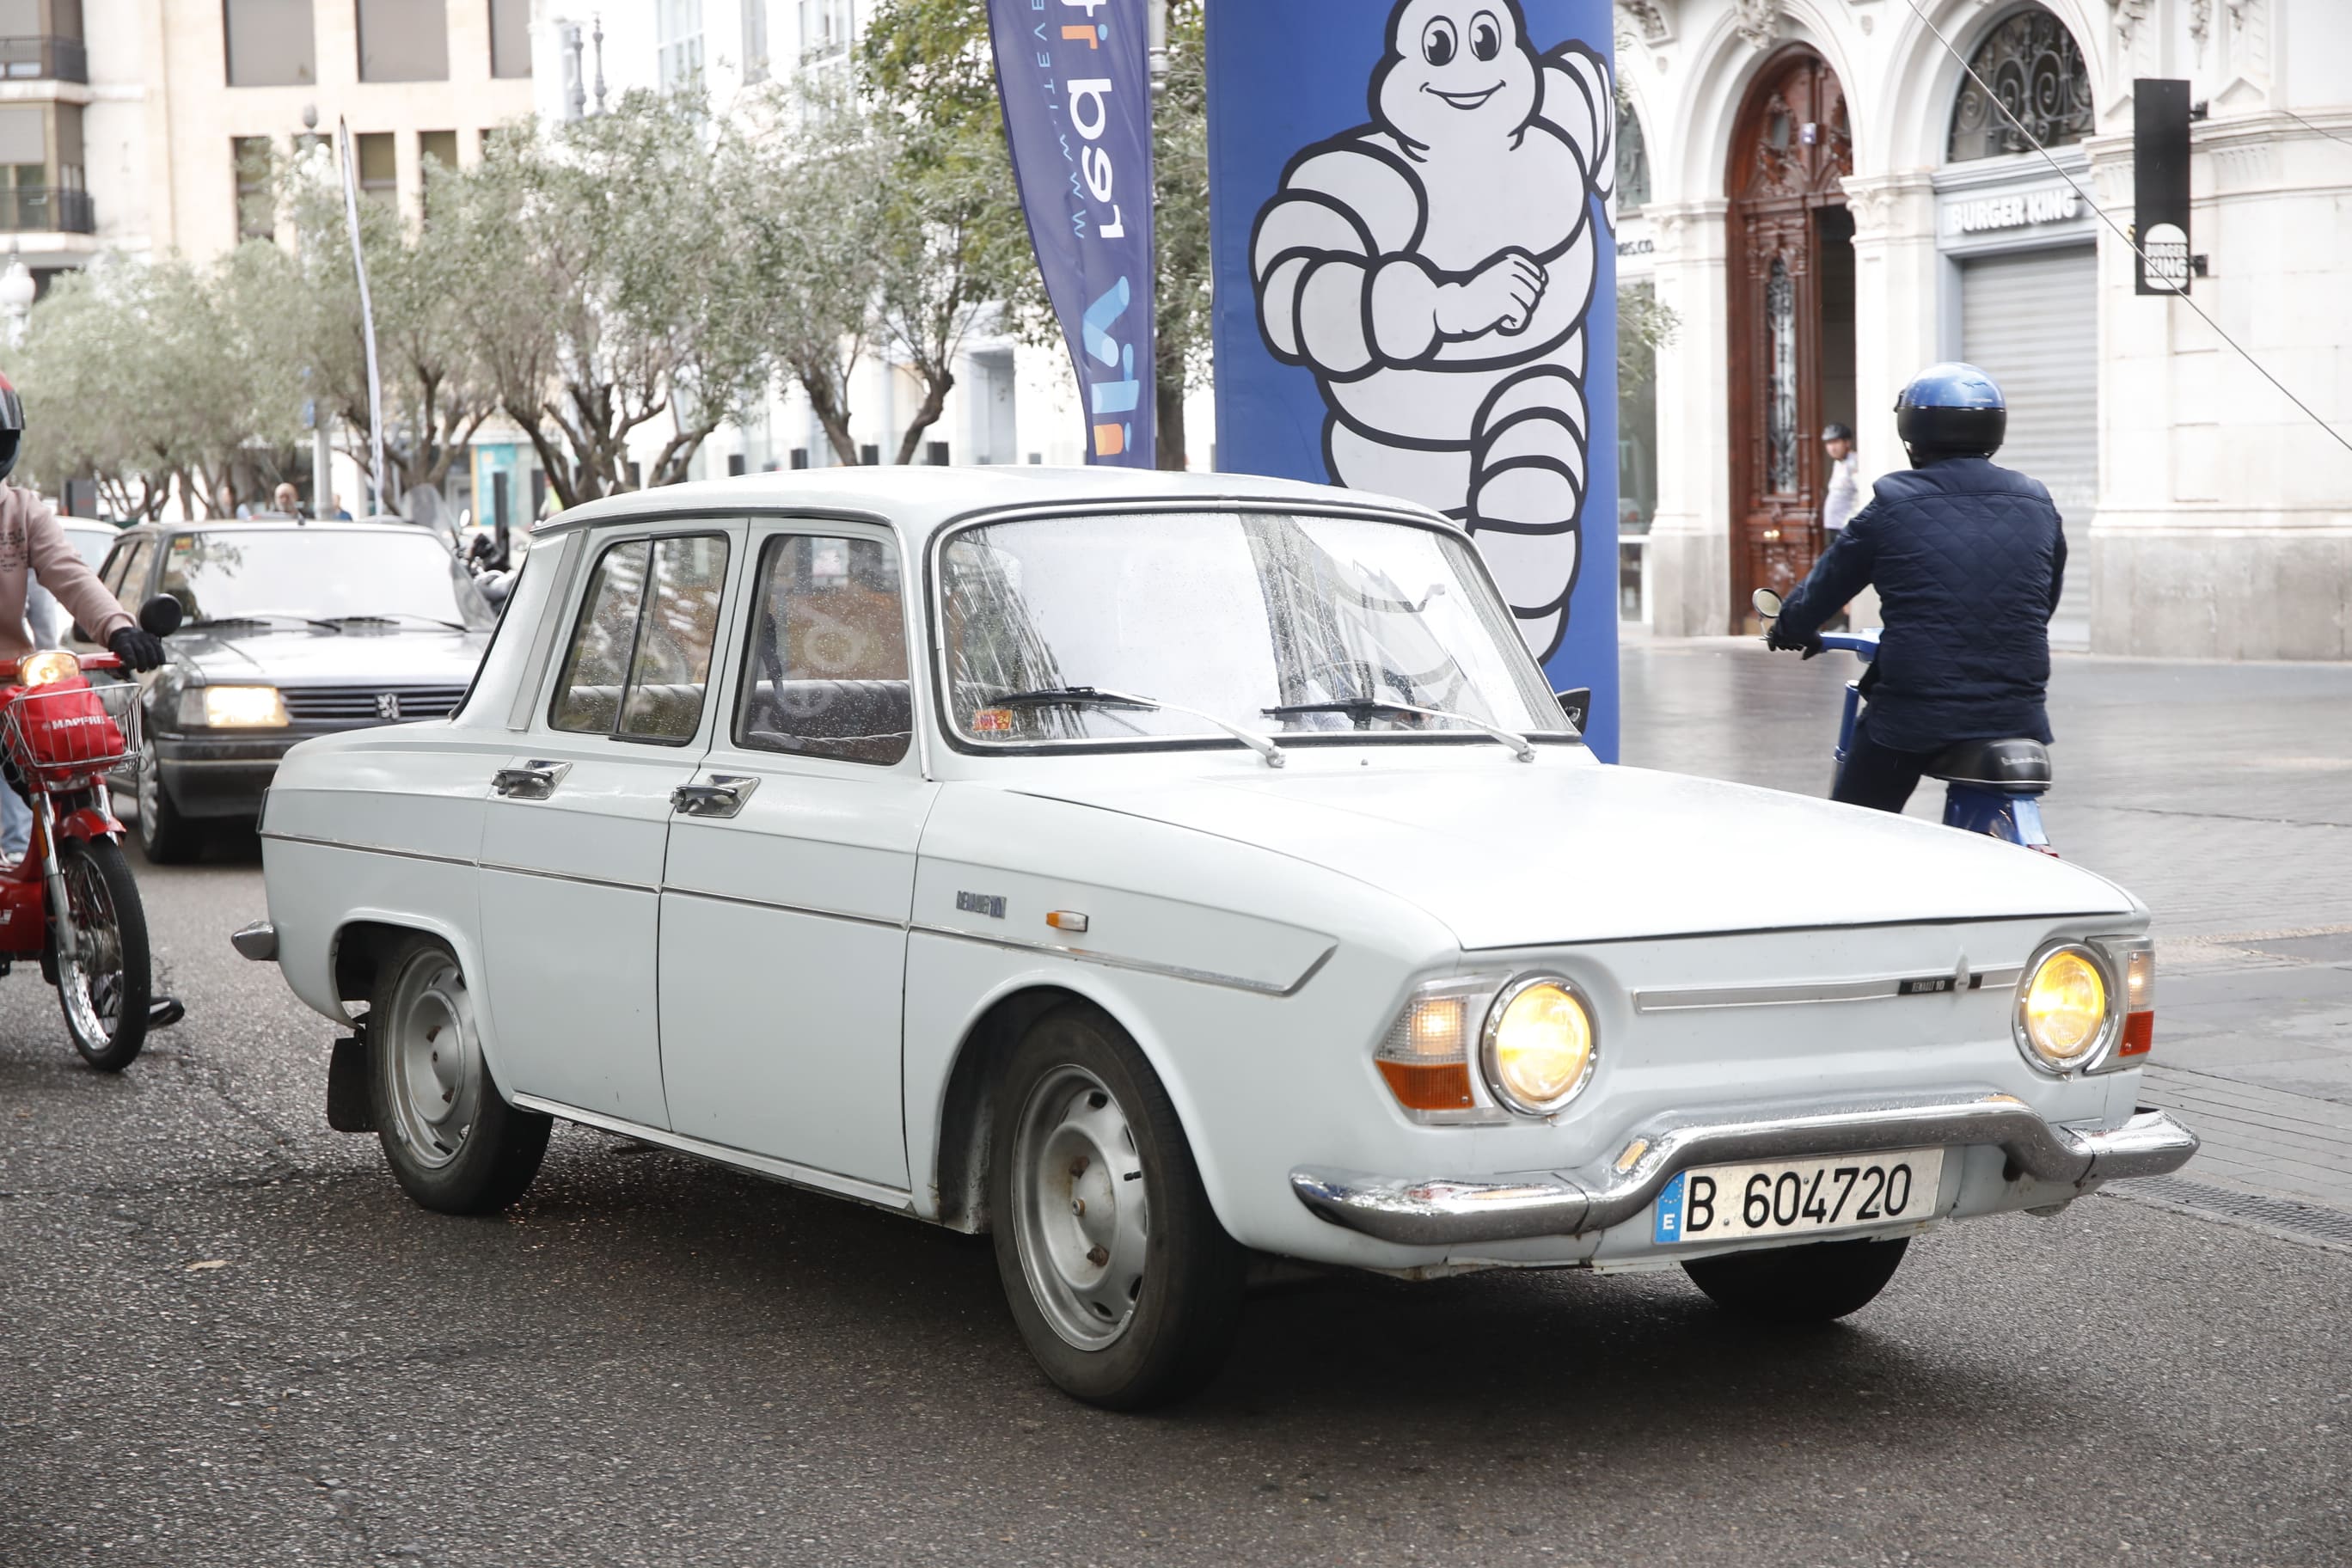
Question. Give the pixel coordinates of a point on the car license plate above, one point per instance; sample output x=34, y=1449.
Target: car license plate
x=1777, y=1197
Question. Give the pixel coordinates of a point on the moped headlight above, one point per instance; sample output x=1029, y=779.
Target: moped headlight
x=2064, y=1007
x=234, y=707
x=47, y=668
x=1538, y=1050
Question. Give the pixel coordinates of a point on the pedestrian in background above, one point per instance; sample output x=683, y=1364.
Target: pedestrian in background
x=1841, y=499
x=286, y=498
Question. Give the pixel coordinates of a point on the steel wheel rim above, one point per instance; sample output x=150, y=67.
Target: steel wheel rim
x=92, y=981
x=1081, y=1217
x=433, y=1062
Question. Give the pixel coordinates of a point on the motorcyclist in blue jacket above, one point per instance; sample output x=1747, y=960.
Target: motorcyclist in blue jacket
x=1967, y=559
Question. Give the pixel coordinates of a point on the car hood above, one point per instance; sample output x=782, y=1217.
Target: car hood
x=1562, y=852
x=303, y=655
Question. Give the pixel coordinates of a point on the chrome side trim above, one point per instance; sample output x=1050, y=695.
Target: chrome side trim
x=1877, y=988
x=895, y=1199
x=1139, y=965
x=570, y=877
x=365, y=849
x=1441, y=1211
x=810, y=910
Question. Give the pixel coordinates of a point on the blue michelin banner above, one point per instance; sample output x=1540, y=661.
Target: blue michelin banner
x=1075, y=79
x=1416, y=281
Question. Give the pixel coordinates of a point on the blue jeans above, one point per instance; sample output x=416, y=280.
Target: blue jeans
x=16, y=824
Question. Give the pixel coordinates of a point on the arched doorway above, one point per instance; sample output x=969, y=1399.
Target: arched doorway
x=1791, y=277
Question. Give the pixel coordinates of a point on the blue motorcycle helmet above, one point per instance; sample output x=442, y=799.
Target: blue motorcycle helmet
x=1951, y=410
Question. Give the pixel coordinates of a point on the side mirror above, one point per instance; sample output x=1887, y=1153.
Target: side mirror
x=1767, y=603
x=161, y=616
x=1576, y=703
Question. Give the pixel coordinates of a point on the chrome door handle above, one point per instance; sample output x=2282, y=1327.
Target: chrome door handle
x=723, y=797
x=532, y=781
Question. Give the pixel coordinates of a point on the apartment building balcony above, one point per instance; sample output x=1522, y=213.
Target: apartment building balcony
x=35, y=209
x=44, y=59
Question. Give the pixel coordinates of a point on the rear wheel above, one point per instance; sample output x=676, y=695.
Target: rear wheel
x=167, y=838
x=1124, y=1288
x=105, y=985
x=453, y=1142
x=1811, y=1284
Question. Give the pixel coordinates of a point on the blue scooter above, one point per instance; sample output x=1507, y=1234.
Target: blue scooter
x=1993, y=787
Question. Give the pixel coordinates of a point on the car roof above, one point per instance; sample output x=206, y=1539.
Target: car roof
x=270, y=525
x=923, y=499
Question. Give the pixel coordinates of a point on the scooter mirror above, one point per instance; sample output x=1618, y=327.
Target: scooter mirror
x=1767, y=603
x=161, y=616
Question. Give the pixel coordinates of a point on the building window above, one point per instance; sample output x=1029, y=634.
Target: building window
x=1633, y=165
x=825, y=28
x=436, y=154
x=379, y=166
x=510, y=37
x=2036, y=71
x=678, y=46
x=1780, y=407
x=257, y=213
x=755, y=40
x=403, y=40
x=268, y=43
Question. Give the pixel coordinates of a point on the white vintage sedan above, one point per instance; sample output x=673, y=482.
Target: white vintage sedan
x=1160, y=871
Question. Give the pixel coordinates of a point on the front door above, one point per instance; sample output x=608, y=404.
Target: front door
x=1792, y=362
x=578, y=823
x=792, y=870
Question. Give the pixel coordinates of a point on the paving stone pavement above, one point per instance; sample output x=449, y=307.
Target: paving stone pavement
x=2220, y=793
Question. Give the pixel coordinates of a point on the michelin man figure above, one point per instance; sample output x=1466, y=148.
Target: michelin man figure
x=1434, y=268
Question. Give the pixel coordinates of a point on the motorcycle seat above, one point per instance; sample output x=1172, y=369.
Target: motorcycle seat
x=2020, y=767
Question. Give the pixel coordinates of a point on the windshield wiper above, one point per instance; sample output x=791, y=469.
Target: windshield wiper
x=1096, y=697
x=267, y=618
x=1365, y=708
x=392, y=620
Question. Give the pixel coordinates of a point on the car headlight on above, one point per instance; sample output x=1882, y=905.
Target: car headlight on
x=1538, y=1049
x=233, y=707
x=47, y=668
x=2065, y=1007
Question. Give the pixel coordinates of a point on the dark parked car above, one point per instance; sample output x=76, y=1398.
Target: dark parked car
x=292, y=630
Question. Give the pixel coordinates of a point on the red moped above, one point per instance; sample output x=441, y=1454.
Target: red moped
x=71, y=902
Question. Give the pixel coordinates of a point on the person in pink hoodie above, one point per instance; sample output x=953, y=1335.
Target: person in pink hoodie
x=32, y=546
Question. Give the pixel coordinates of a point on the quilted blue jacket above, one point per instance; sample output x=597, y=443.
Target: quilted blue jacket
x=1968, y=558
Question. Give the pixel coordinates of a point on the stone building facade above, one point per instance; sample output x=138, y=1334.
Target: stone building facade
x=1829, y=202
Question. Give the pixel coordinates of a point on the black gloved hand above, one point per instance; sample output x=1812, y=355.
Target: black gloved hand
x=136, y=648
x=1789, y=642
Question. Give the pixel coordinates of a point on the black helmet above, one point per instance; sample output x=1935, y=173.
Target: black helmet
x=1951, y=411
x=12, y=426
x=1835, y=432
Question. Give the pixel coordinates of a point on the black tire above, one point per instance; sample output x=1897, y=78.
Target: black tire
x=1183, y=1297
x=165, y=836
x=105, y=991
x=1817, y=1283
x=454, y=1143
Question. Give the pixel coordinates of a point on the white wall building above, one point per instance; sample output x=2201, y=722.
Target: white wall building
x=1013, y=403
x=1830, y=203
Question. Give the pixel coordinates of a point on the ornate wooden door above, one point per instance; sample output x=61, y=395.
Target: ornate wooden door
x=1789, y=150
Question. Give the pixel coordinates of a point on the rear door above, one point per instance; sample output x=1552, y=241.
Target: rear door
x=791, y=869
x=578, y=822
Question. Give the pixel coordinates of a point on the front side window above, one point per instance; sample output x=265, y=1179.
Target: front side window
x=825, y=664
x=1283, y=624
x=132, y=584
x=639, y=663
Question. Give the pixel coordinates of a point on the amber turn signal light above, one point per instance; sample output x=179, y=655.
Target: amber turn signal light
x=1444, y=1086
x=2139, y=1035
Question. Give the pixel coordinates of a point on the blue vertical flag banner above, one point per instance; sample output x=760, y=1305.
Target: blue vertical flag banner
x=1076, y=78
x=1423, y=302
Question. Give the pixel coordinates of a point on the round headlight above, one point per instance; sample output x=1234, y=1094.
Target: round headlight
x=1538, y=1049
x=2063, y=1010
x=47, y=668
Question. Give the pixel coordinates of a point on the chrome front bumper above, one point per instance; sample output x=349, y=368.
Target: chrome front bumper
x=1439, y=1212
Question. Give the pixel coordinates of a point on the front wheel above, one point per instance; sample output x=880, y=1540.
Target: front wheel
x=1815, y=1283
x=452, y=1142
x=105, y=985
x=1124, y=1288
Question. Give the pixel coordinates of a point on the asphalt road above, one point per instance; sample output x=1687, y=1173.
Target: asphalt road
x=228, y=1338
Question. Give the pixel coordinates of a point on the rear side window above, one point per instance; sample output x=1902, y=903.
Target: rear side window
x=826, y=667
x=639, y=667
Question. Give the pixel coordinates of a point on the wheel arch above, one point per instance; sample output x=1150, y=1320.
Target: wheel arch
x=963, y=1138
x=361, y=943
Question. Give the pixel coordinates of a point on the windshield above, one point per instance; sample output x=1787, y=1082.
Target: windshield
x=322, y=575
x=1285, y=625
